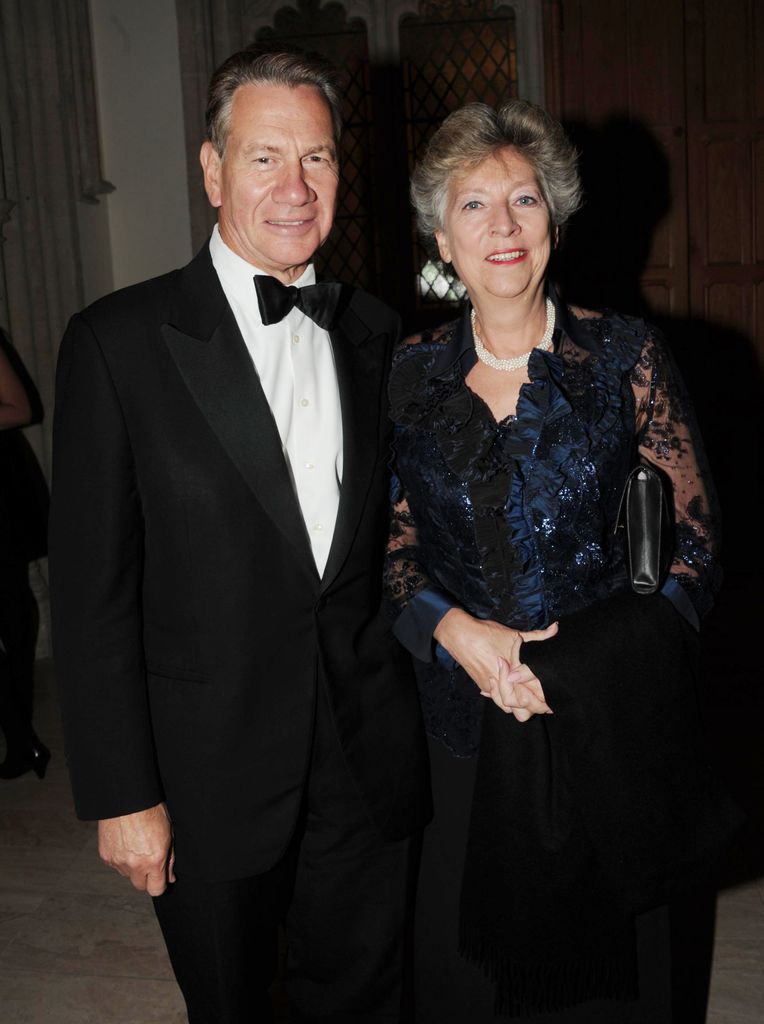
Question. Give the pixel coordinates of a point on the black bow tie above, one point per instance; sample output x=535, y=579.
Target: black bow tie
x=276, y=300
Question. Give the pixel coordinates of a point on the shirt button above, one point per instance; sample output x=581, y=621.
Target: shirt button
x=310, y=465
x=296, y=339
x=317, y=527
x=304, y=403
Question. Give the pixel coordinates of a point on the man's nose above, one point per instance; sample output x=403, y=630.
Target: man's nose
x=292, y=187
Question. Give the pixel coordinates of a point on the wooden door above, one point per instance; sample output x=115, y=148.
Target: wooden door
x=666, y=100
x=725, y=143
x=618, y=85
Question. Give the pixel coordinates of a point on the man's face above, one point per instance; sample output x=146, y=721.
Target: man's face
x=276, y=184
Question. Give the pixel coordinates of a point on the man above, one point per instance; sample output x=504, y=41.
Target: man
x=237, y=714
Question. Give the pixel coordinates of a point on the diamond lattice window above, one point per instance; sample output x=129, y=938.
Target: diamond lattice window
x=451, y=54
x=348, y=255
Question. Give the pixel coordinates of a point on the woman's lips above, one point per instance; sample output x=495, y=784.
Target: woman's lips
x=509, y=256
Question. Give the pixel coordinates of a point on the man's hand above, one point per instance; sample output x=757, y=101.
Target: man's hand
x=139, y=846
x=490, y=654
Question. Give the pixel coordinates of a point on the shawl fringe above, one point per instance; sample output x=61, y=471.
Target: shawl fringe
x=529, y=989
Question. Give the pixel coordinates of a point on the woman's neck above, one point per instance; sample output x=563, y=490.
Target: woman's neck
x=511, y=327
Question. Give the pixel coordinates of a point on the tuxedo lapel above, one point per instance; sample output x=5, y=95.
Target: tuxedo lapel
x=209, y=351
x=359, y=379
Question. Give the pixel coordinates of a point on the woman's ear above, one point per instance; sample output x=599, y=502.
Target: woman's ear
x=443, y=247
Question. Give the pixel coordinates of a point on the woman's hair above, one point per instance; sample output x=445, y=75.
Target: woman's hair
x=258, y=66
x=476, y=131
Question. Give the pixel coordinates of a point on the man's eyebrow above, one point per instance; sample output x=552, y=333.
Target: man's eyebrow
x=322, y=147
x=260, y=147
x=266, y=147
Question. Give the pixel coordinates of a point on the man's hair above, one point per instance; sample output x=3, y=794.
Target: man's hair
x=261, y=66
x=476, y=131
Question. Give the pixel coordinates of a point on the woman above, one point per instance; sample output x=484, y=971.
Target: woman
x=20, y=530
x=516, y=426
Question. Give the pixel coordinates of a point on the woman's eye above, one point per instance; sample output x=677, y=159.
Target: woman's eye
x=473, y=204
x=526, y=201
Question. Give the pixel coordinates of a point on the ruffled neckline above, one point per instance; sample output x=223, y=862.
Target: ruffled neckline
x=428, y=389
x=428, y=386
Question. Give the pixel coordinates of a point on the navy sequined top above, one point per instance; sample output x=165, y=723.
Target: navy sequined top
x=514, y=520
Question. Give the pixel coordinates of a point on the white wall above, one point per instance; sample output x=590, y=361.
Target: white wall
x=137, y=69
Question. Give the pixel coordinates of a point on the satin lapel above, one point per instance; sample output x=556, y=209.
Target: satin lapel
x=360, y=379
x=218, y=372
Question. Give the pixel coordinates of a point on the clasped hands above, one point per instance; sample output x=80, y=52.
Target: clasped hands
x=490, y=655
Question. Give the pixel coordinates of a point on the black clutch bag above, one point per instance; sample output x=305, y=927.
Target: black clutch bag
x=645, y=517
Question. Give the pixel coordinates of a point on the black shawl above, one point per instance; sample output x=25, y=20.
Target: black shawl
x=585, y=818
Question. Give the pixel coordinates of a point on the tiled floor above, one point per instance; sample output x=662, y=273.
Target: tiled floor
x=78, y=946
x=734, y=715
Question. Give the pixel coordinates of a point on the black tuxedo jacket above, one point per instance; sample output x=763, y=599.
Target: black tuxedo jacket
x=190, y=623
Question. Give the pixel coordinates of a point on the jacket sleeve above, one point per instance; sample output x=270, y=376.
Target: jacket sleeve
x=96, y=557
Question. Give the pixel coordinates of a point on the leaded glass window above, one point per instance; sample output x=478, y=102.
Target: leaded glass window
x=348, y=254
x=452, y=53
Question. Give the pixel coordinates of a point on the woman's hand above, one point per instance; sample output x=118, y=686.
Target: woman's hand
x=518, y=690
x=490, y=655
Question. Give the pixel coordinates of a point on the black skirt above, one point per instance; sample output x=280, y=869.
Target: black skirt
x=451, y=990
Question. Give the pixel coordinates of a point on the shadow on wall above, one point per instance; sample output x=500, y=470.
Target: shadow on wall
x=626, y=180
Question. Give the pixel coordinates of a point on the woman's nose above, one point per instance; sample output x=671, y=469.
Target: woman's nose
x=504, y=222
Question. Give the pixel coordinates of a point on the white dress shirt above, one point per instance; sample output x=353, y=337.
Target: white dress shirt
x=295, y=364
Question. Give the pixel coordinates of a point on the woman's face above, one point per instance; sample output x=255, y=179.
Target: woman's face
x=497, y=231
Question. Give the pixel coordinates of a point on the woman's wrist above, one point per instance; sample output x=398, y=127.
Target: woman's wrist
x=450, y=626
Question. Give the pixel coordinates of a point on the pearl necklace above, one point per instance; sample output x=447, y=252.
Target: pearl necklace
x=517, y=362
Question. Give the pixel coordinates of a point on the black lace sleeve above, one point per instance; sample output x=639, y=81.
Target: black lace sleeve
x=668, y=436
x=404, y=577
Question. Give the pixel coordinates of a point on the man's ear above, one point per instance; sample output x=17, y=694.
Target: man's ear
x=443, y=247
x=211, y=166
